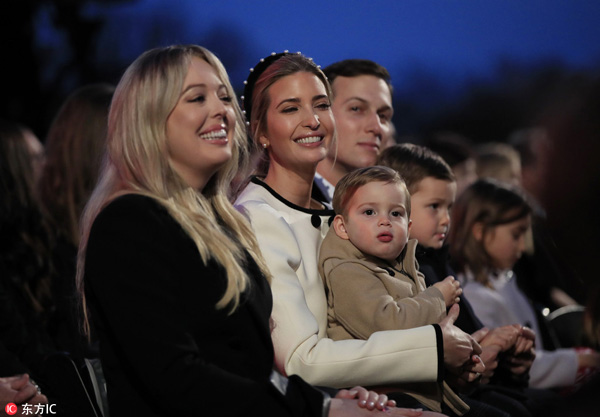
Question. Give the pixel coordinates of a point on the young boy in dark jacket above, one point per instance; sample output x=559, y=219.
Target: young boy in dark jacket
x=507, y=351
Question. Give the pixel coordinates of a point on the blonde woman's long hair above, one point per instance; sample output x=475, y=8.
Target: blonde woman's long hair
x=137, y=162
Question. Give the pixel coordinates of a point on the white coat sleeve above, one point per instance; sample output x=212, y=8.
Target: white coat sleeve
x=300, y=319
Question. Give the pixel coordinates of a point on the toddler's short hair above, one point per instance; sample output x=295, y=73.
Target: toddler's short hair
x=349, y=183
x=414, y=163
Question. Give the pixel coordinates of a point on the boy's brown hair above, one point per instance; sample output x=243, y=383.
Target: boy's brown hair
x=414, y=163
x=349, y=183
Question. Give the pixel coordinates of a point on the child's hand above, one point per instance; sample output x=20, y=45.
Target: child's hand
x=450, y=289
x=367, y=399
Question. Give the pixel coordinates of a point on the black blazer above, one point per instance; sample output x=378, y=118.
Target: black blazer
x=435, y=265
x=165, y=348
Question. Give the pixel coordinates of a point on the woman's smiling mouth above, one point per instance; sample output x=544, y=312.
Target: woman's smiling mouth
x=309, y=139
x=215, y=135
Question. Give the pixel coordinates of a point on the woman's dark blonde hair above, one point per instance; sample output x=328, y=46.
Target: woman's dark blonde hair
x=137, y=162
x=490, y=203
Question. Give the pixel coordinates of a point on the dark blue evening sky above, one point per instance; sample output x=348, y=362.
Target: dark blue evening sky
x=452, y=38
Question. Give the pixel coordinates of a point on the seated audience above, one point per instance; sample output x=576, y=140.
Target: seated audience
x=507, y=350
x=287, y=102
x=170, y=273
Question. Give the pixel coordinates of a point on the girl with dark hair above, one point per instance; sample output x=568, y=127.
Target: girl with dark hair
x=491, y=219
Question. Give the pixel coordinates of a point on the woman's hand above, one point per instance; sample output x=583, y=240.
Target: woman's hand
x=468, y=377
x=490, y=359
x=367, y=399
x=459, y=347
x=18, y=390
x=487, y=339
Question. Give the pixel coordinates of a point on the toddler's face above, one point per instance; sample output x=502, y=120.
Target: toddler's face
x=377, y=221
x=430, y=211
x=505, y=243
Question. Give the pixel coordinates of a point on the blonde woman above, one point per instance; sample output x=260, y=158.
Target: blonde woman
x=169, y=273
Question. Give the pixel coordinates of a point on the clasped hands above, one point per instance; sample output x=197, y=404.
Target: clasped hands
x=20, y=389
x=516, y=343
x=461, y=353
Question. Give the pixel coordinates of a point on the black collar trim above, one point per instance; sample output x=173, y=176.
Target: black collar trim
x=323, y=212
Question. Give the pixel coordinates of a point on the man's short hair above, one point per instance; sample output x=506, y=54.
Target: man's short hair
x=414, y=163
x=355, y=68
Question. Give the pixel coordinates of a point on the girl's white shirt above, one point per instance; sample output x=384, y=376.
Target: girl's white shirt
x=505, y=304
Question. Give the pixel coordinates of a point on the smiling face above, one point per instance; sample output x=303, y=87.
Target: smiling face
x=505, y=243
x=201, y=126
x=376, y=220
x=362, y=108
x=431, y=203
x=299, y=127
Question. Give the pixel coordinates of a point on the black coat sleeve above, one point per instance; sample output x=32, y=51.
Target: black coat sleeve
x=165, y=348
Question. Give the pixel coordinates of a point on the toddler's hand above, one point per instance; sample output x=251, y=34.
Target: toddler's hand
x=367, y=399
x=450, y=289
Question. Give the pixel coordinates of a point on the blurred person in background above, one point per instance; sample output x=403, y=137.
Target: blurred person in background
x=74, y=147
x=26, y=270
x=569, y=193
x=457, y=151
